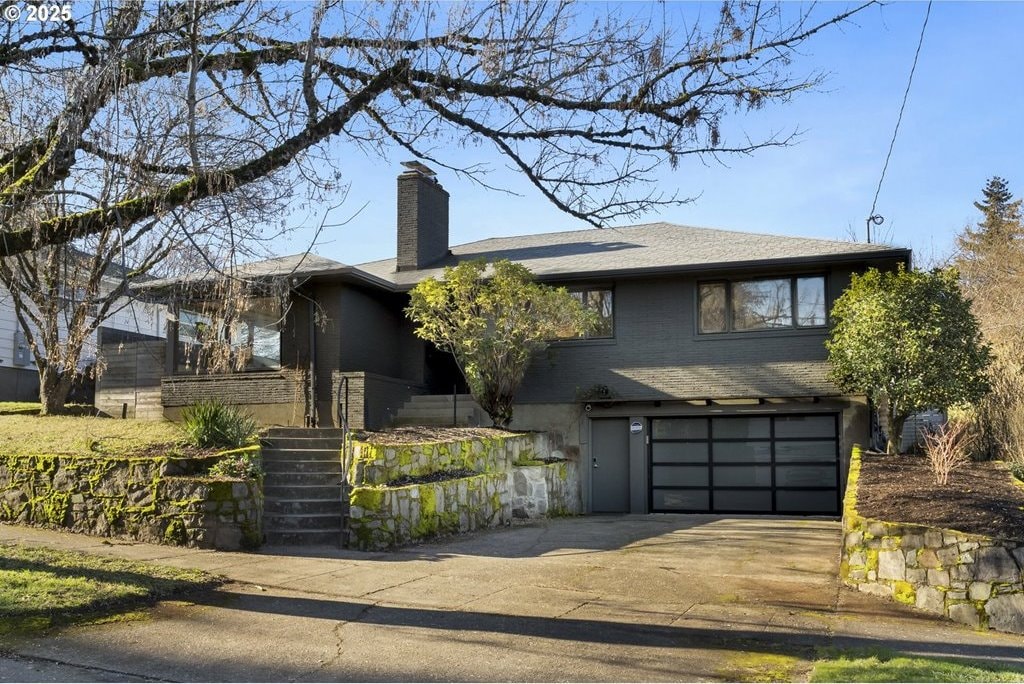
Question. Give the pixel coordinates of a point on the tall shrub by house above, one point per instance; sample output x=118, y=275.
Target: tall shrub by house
x=909, y=341
x=493, y=321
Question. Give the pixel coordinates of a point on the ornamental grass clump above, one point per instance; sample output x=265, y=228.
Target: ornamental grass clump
x=948, y=448
x=214, y=424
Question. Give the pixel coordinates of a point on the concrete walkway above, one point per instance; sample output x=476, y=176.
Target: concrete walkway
x=597, y=598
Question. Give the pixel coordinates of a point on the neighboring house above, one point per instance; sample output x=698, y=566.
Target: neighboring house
x=705, y=389
x=19, y=379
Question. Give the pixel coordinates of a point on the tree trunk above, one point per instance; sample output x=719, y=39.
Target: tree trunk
x=53, y=390
x=498, y=407
x=894, y=433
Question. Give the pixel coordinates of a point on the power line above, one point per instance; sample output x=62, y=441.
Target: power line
x=874, y=218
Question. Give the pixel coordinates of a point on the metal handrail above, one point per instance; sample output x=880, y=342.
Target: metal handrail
x=345, y=450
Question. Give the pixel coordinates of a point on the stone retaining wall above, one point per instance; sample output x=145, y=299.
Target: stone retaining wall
x=547, y=490
x=382, y=516
x=147, y=499
x=972, y=579
x=382, y=463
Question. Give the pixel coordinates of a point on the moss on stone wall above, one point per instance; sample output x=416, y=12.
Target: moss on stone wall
x=374, y=463
x=149, y=499
x=971, y=579
x=382, y=516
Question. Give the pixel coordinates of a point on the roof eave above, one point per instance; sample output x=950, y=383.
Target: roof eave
x=901, y=253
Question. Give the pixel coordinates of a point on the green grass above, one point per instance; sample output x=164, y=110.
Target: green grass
x=888, y=667
x=31, y=408
x=15, y=408
x=43, y=588
x=28, y=435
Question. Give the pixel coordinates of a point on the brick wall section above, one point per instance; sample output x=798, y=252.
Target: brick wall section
x=132, y=376
x=373, y=400
x=656, y=353
x=271, y=387
x=422, y=221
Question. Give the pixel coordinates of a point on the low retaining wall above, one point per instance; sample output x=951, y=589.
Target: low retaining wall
x=382, y=463
x=972, y=579
x=146, y=499
x=547, y=490
x=272, y=397
x=381, y=516
x=373, y=400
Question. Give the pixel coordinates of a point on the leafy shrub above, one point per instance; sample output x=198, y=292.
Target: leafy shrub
x=215, y=424
x=947, y=449
x=243, y=465
x=1017, y=468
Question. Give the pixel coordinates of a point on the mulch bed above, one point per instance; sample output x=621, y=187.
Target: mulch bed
x=432, y=477
x=426, y=434
x=981, y=498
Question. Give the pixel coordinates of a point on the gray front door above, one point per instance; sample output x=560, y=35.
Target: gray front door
x=609, y=450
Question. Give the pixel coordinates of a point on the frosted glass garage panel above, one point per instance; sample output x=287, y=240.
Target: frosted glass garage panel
x=679, y=476
x=681, y=499
x=679, y=452
x=742, y=452
x=741, y=428
x=743, y=476
x=805, y=476
x=795, y=452
x=805, y=426
x=679, y=428
x=826, y=501
x=741, y=500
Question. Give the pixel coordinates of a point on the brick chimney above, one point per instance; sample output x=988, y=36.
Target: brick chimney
x=422, y=218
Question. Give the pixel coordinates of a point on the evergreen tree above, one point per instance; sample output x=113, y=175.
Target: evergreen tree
x=1001, y=223
x=991, y=263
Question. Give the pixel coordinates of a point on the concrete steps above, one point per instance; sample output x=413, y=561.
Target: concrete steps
x=302, y=487
x=441, y=410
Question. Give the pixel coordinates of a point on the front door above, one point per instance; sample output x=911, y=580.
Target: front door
x=609, y=449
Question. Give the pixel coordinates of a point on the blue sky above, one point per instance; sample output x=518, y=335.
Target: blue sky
x=964, y=122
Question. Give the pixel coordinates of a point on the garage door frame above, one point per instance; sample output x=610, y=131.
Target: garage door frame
x=710, y=441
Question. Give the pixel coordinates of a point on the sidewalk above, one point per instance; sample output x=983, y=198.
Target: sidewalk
x=630, y=598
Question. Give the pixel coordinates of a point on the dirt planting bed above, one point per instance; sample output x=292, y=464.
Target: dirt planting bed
x=981, y=498
x=428, y=434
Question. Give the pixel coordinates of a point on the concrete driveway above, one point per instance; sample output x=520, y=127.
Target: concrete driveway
x=599, y=598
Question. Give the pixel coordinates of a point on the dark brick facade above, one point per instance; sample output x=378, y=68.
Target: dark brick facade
x=422, y=221
x=657, y=354
x=373, y=400
x=270, y=387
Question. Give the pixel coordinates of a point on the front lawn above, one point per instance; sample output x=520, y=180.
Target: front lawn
x=43, y=588
x=30, y=435
x=887, y=667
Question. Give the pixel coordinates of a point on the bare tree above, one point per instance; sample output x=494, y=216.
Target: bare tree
x=174, y=110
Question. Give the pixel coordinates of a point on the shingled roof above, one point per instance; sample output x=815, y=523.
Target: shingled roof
x=630, y=250
x=645, y=248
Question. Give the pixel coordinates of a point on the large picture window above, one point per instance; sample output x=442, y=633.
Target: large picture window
x=252, y=338
x=761, y=304
x=600, y=300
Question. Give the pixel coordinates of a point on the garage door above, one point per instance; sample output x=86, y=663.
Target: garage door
x=745, y=464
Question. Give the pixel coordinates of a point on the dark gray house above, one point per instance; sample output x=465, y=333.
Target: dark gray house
x=705, y=389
